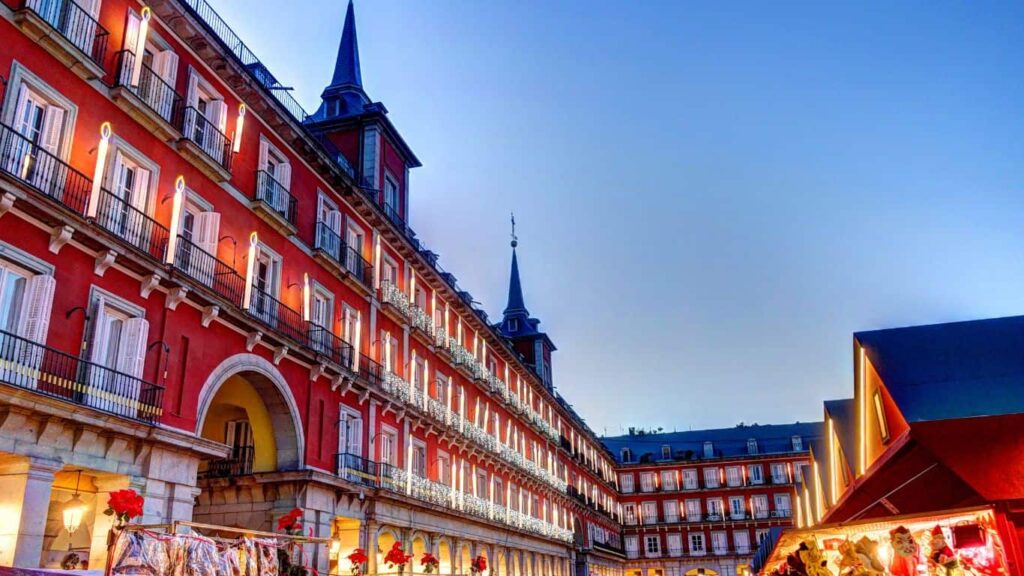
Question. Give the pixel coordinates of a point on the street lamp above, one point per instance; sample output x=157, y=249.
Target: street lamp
x=74, y=509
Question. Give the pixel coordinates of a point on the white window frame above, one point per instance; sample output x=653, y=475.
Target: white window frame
x=698, y=547
x=20, y=74
x=712, y=477
x=691, y=480
x=626, y=482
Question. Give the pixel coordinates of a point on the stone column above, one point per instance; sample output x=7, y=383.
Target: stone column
x=371, y=546
x=25, y=487
x=102, y=523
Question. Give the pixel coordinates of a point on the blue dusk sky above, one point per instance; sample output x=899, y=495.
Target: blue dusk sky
x=711, y=197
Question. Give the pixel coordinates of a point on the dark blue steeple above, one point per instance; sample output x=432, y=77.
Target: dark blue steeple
x=345, y=96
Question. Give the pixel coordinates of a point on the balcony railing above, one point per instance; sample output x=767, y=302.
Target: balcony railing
x=238, y=464
x=276, y=315
x=390, y=294
x=206, y=269
x=422, y=321
x=75, y=24
x=394, y=479
x=120, y=218
x=325, y=342
x=346, y=256
x=44, y=370
x=40, y=170
x=153, y=90
x=275, y=195
x=207, y=137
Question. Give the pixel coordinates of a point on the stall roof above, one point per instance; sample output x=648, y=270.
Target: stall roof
x=953, y=370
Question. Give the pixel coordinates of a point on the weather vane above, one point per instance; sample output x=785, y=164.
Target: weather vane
x=515, y=241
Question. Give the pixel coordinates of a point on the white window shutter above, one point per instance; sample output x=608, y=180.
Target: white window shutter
x=264, y=155
x=140, y=195
x=36, y=306
x=355, y=437
x=118, y=173
x=131, y=32
x=131, y=358
x=100, y=331
x=207, y=229
x=334, y=222
x=192, y=92
x=220, y=115
x=284, y=175
x=22, y=103
x=53, y=123
x=165, y=64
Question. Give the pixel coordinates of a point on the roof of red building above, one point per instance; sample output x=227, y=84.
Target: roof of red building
x=726, y=442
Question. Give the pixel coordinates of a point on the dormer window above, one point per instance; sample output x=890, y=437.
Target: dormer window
x=666, y=452
x=709, y=450
x=798, y=443
x=627, y=455
x=752, y=446
x=513, y=325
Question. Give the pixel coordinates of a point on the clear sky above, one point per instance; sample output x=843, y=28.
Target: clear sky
x=711, y=197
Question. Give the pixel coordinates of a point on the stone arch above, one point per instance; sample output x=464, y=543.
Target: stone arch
x=501, y=562
x=445, y=555
x=276, y=395
x=465, y=557
x=419, y=543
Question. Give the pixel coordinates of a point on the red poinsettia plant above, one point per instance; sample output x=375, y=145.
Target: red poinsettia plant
x=291, y=523
x=429, y=563
x=478, y=565
x=397, y=557
x=124, y=505
x=358, y=559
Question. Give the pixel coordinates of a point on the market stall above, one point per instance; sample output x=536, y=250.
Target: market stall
x=954, y=543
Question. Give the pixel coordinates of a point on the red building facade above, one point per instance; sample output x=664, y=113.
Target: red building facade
x=215, y=298
x=701, y=501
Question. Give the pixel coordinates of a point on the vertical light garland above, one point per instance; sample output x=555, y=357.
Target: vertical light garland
x=862, y=392
x=176, y=204
x=376, y=261
x=140, y=45
x=819, y=499
x=387, y=353
x=799, y=512
x=236, y=144
x=305, y=297
x=250, y=269
x=101, y=165
x=832, y=465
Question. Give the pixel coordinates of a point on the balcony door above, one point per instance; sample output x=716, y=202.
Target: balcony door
x=238, y=435
x=32, y=154
x=200, y=229
x=353, y=256
x=265, y=287
x=117, y=350
x=126, y=213
x=25, y=303
x=328, y=230
x=206, y=124
x=275, y=188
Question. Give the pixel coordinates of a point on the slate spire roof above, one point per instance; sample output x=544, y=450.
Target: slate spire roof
x=516, y=305
x=346, y=67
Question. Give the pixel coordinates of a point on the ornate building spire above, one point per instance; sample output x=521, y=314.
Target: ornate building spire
x=516, y=306
x=346, y=66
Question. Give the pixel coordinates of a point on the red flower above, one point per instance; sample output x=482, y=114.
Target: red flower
x=429, y=562
x=290, y=523
x=125, y=505
x=397, y=557
x=358, y=556
x=478, y=565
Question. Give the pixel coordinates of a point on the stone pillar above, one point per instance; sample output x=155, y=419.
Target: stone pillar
x=25, y=487
x=371, y=546
x=101, y=522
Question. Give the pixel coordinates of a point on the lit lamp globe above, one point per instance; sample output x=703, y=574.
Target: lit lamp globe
x=73, y=511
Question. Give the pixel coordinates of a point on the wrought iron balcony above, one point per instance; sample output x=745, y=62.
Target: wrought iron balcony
x=370, y=370
x=50, y=372
x=134, y=227
x=35, y=168
x=74, y=25
x=213, y=146
x=208, y=270
x=238, y=464
x=329, y=243
x=161, y=105
x=390, y=294
x=278, y=316
x=327, y=343
x=422, y=321
x=272, y=195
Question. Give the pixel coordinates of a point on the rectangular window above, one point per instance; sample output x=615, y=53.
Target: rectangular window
x=647, y=481
x=419, y=458
x=650, y=512
x=741, y=540
x=444, y=469
x=666, y=452
x=670, y=508
x=370, y=168
x=883, y=426
x=719, y=542
x=752, y=446
x=632, y=547
x=693, y=510
x=712, y=478
x=761, y=534
x=779, y=475
x=26, y=300
x=391, y=202
x=690, y=479
x=733, y=476
x=697, y=544
x=117, y=342
x=798, y=443
x=206, y=117
x=675, y=545
x=388, y=443
x=755, y=474
x=715, y=509
x=783, y=508
x=668, y=480
x=709, y=450
x=737, y=508
x=629, y=513
x=652, y=545
x=626, y=480
x=760, y=504
x=350, y=432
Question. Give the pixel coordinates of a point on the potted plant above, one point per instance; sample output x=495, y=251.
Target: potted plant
x=289, y=559
x=397, y=557
x=358, y=559
x=123, y=505
x=429, y=563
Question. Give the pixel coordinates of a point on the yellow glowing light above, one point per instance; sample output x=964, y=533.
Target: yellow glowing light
x=808, y=512
x=832, y=465
x=250, y=269
x=140, y=45
x=172, y=241
x=305, y=297
x=101, y=164
x=358, y=341
x=820, y=499
x=73, y=511
x=799, y=513
x=376, y=262
x=236, y=145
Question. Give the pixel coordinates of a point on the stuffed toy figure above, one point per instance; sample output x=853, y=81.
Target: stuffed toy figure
x=814, y=562
x=906, y=554
x=941, y=559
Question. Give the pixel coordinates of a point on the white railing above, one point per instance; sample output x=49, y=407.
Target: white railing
x=390, y=294
x=422, y=320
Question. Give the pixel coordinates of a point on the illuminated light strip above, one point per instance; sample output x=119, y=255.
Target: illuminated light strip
x=250, y=268
x=101, y=164
x=358, y=340
x=819, y=499
x=305, y=297
x=140, y=45
x=832, y=464
x=172, y=241
x=861, y=390
x=237, y=144
x=807, y=505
